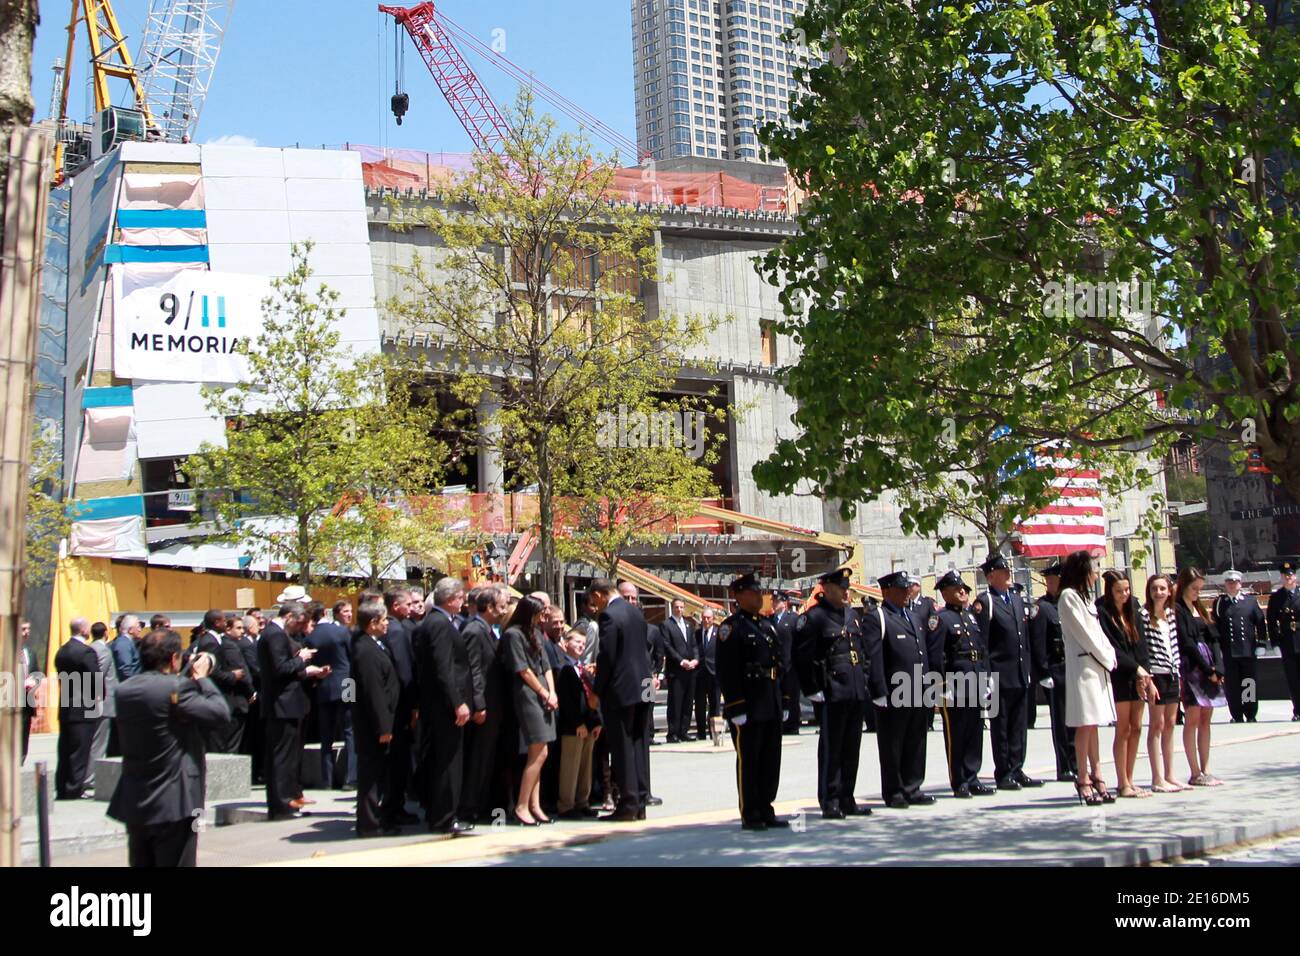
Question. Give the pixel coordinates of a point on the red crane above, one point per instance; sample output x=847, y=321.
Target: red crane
x=435, y=35
x=469, y=99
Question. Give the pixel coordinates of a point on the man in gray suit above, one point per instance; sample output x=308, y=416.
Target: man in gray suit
x=162, y=716
x=99, y=744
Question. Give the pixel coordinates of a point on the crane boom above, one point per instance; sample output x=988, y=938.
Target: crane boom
x=182, y=40
x=469, y=99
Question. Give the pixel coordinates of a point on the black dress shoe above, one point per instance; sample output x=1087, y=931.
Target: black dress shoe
x=454, y=828
x=753, y=825
x=832, y=813
x=674, y=740
x=898, y=802
x=778, y=824
x=406, y=819
x=640, y=814
x=623, y=815
x=853, y=810
x=1068, y=776
x=654, y=801
x=285, y=815
x=1008, y=785
x=981, y=790
x=962, y=793
x=921, y=800
x=1027, y=781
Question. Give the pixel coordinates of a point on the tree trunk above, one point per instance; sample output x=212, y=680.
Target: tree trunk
x=17, y=34
x=304, y=550
x=550, y=576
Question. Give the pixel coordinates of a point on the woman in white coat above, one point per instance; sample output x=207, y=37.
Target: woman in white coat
x=1089, y=659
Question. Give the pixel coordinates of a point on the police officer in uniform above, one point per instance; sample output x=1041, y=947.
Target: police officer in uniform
x=955, y=631
x=1035, y=657
x=749, y=674
x=1284, y=630
x=901, y=715
x=834, y=669
x=1240, y=622
x=1049, y=659
x=922, y=607
x=1004, y=620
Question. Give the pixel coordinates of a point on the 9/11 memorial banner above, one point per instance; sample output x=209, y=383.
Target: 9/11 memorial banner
x=187, y=325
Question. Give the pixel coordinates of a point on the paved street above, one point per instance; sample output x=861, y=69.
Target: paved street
x=697, y=825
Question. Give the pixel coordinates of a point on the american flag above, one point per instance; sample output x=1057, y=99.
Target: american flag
x=1074, y=521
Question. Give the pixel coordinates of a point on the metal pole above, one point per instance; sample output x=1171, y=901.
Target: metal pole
x=1232, y=561
x=43, y=810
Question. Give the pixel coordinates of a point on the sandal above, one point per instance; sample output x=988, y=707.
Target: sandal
x=1087, y=795
x=1100, y=786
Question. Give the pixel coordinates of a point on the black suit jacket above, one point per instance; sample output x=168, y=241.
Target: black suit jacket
x=248, y=647
x=333, y=646
x=442, y=667
x=1006, y=632
x=80, y=659
x=623, y=662
x=482, y=644
x=398, y=642
x=709, y=648
x=679, y=645
x=574, y=710
x=283, y=693
x=238, y=691
x=161, y=719
x=378, y=693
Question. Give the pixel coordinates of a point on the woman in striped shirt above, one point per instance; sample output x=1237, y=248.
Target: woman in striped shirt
x=1159, y=623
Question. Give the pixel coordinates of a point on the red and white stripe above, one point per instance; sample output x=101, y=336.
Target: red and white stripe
x=1075, y=521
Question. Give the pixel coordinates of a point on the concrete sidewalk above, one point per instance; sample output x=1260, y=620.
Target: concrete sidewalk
x=698, y=823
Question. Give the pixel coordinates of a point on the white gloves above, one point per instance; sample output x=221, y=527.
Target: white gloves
x=881, y=701
x=739, y=721
x=785, y=715
x=1048, y=683
x=818, y=698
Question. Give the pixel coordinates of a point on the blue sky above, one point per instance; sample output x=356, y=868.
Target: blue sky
x=308, y=72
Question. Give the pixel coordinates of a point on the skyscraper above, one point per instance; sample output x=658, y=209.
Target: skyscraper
x=709, y=72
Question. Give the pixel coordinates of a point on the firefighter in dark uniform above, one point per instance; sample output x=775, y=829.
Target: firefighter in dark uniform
x=1035, y=661
x=1005, y=622
x=834, y=669
x=1284, y=630
x=749, y=674
x=922, y=607
x=901, y=715
x=1241, y=625
x=1049, y=663
x=783, y=619
x=957, y=634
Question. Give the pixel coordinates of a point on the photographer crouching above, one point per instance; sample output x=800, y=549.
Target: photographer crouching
x=162, y=715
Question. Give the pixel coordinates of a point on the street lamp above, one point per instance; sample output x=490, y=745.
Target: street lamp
x=1232, y=562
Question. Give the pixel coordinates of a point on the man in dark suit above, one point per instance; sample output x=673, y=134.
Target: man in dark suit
x=285, y=666
x=1005, y=622
x=784, y=620
x=447, y=683
x=624, y=689
x=657, y=647
x=228, y=673
x=397, y=639
x=238, y=691
x=901, y=645
x=481, y=736
x=378, y=692
x=332, y=641
x=683, y=660
x=706, y=678
x=254, y=742
x=161, y=719
x=81, y=707
x=33, y=674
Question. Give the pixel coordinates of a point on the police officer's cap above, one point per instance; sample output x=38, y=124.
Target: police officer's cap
x=995, y=562
x=839, y=577
x=746, y=582
x=779, y=595
x=951, y=580
x=895, y=579
x=912, y=580
x=1055, y=568
x=1288, y=567
x=1232, y=575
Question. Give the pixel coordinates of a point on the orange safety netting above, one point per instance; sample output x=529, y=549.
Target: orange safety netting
x=386, y=168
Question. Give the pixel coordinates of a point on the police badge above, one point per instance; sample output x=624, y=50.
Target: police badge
x=1033, y=610
x=933, y=623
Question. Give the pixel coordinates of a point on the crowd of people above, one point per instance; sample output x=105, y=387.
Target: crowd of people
x=479, y=706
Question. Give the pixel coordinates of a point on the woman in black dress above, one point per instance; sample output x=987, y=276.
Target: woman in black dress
x=1120, y=619
x=1202, y=683
x=533, y=691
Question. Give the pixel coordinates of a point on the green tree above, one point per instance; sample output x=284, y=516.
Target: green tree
x=48, y=521
x=536, y=299
x=317, y=435
x=986, y=183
